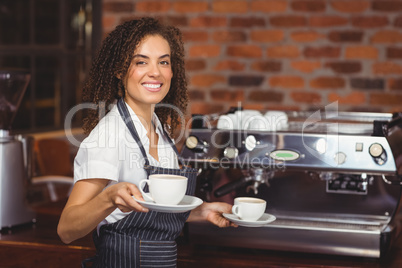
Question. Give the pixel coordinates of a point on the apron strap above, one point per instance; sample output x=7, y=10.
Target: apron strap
x=121, y=105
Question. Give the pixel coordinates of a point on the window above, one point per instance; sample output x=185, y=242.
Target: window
x=54, y=40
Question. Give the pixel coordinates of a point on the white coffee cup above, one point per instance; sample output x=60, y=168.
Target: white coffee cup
x=249, y=208
x=164, y=189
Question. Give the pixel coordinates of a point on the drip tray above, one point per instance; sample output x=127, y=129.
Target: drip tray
x=327, y=236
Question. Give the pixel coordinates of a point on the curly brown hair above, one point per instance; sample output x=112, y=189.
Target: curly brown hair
x=113, y=60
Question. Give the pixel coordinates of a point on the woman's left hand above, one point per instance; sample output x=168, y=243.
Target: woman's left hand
x=212, y=212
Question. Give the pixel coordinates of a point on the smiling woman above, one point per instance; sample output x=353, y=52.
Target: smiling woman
x=140, y=66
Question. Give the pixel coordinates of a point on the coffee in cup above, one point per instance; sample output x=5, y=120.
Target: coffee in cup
x=249, y=208
x=164, y=189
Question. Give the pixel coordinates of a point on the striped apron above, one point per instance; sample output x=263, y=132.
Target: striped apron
x=143, y=239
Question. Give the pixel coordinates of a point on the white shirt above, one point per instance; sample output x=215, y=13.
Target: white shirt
x=110, y=152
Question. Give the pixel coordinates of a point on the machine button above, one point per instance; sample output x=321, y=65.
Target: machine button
x=376, y=150
x=193, y=143
x=340, y=158
x=231, y=152
x=359, y=147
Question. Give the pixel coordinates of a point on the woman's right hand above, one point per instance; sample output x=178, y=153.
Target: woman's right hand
x=90, y=203
x=121, y=195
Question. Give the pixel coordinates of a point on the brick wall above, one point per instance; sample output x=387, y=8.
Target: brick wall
x=283, y=54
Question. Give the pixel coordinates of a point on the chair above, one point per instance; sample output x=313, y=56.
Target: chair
x=54, y=165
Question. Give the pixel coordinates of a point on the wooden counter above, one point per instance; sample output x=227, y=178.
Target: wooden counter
x=37, y=245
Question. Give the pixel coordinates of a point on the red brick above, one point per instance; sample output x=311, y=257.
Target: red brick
x=288, y=51
x=328, y=21
x=108, y=22
x=253, y=106
x=293, y=82
x=117, y=7
x=394, y=52
x=195, y=65
x=385, y=99
x=306, y=36
x=345, y=36
x=247, y=22
x=269, y=6
x=153, y=6
x=190, y=6
x=308, y=5
x=267, y=66
x=204, y=51
x=196, y=95
x=398, y=22
x=354, y=98
x=250, y=51
x=395, y=84
x=328, y=83
x=370, y=21
x=387, y=6
x=176, y=20
x=205, y=108
x=206, y=21
x=197, y=36
x=347, y=6
x=322, y=52
x=387, y=68
x=361, y=52
x=345, y=67
x=288, y=21
x=246, y=80
x=230, y=6
x=306, y=97
x=267, y=35
x=207, y=80
x=367, y=83
x=390, y=36
x=265, y=96
x=306, y=66
x=229, y=36
x=229, y=65
x=224, y=95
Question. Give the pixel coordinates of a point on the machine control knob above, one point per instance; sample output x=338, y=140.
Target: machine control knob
x=250, y=142
x=376, y=150
x=340, y=158
x=193, y=143
x=378, y=153
x=231, y=152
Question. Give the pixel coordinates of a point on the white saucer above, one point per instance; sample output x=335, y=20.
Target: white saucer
x=264, y=220
x=188, y=203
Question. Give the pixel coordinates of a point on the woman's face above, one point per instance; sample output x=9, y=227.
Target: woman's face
x=149, y=76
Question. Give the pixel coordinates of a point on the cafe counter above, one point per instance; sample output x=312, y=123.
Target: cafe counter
x=37, y=245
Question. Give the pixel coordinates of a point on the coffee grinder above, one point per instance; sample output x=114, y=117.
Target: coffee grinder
x=14, y=175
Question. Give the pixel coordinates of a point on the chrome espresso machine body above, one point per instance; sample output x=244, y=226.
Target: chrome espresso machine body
x=332, y=179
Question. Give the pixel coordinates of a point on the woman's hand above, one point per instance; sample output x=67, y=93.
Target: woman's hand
x=212, y=212
x=121, y=195
x=89, y=204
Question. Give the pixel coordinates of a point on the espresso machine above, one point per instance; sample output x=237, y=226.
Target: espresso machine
x=332, y=179
x=13, y=158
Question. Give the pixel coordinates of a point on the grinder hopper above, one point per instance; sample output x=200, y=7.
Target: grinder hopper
x=13, y=153
x=12, y=88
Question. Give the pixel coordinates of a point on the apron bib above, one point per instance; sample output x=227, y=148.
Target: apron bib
x=143, y=239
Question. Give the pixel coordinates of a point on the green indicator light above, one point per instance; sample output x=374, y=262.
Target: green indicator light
x=285, y=155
